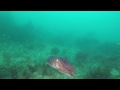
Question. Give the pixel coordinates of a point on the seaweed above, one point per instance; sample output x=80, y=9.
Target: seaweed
x=80, y=57
x=55, y=51
x=7, y=57
x=98, y=73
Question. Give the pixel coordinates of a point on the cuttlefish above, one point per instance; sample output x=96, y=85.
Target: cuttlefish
x=62, y=64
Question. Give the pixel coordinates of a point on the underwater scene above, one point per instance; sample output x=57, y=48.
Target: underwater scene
x=59, y=44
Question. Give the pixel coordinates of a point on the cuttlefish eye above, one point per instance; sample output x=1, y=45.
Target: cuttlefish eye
x=57, y=63
x=57, y=60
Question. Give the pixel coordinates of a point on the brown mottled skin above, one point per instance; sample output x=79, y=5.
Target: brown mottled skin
x=63, y=66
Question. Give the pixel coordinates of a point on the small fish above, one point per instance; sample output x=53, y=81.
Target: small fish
x=118, y=43
x=62, y=64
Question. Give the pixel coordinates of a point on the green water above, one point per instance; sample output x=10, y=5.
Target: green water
x=90, y=40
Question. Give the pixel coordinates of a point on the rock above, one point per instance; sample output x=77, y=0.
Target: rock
x=114, y=72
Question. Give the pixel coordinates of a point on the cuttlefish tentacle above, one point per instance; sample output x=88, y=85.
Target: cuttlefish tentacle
x=66, y=72
x=68, y=66
x=63, y=69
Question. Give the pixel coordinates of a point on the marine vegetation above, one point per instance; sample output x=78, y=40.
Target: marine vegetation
x=80, y=57
x=55, y=51
x=98, y=73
